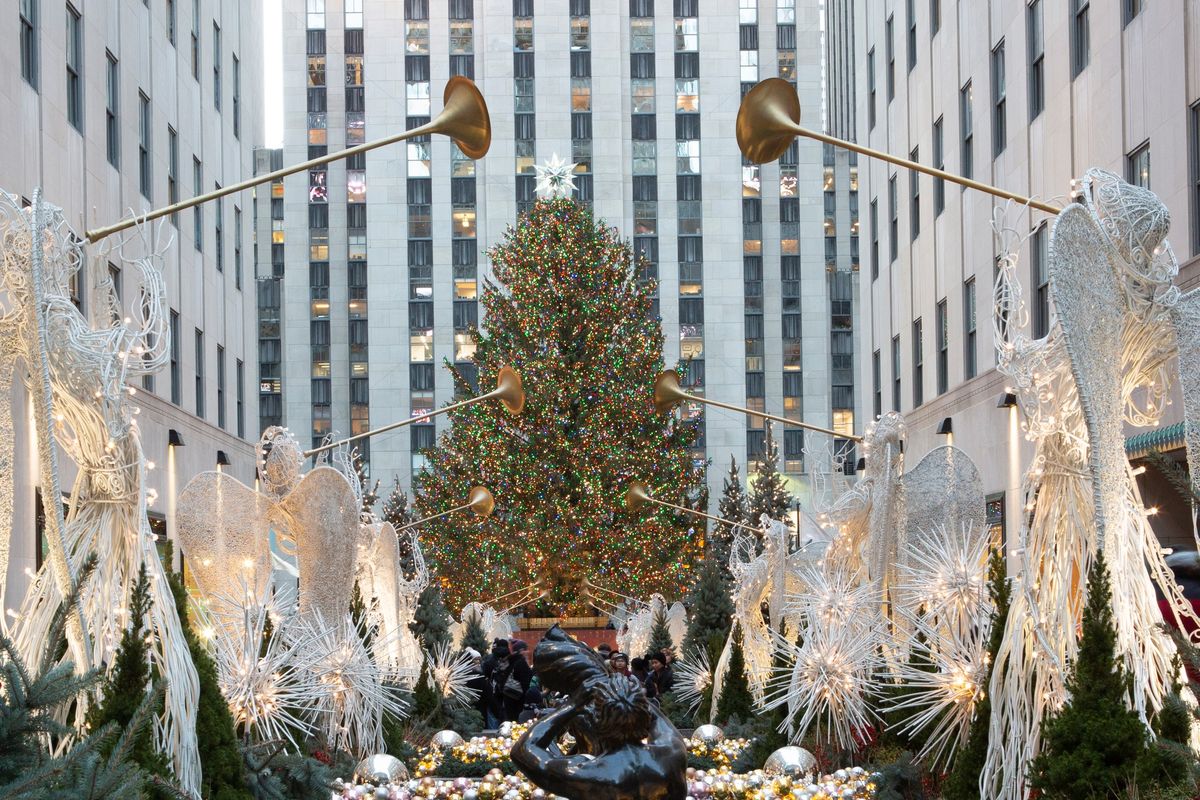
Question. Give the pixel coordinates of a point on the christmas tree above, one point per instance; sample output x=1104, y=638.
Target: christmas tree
x=223, y=771
x=431, y=621
x=735, y=700
x=474, y=636
x=397, y=511
x=963, y=780
x=734, y=507
x=370, y=491
x=660, y=633
x=567, y=312
x=768, y=489
x=1095, y=746
x=128, y=683
x=711, y=611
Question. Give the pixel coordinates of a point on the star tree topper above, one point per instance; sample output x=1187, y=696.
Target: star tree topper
x=555, y=178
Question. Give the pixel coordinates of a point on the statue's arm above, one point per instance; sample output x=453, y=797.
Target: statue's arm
x=532, y=750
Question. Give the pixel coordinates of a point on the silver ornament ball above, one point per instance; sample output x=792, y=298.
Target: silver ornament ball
x=446, y=740
x=709, y=734
x=792, y=761
x=380, y=769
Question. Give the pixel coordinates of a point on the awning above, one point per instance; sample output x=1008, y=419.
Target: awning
x=1159, y=440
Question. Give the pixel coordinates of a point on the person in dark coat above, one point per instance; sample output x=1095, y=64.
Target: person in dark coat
x=660, y=673
x=483, y=687
x=640, y=672
x=510, y=677
x=618, y=662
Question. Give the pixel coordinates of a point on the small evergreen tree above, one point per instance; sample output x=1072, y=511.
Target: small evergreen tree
x=963, y=780
x=431, y=620
x=734, y=507
x=735, y=700
x=358, y=613
x=370, y=491
x=474, y=636
x=660, y=633
x=128, y=683
x=768, y=489
x=398, y=512
x=711, y=611
x=223, y=768
x=1094, y=746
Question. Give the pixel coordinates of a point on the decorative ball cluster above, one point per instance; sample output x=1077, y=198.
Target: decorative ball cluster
x=845, y=784
x=724, y=752
x=487, y=749
x=493, y=786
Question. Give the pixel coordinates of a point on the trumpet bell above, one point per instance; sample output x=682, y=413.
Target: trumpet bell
x=667, y=391
x=636, y=496
x=768, y=120
x=481, y=501
x=464, y=117
x=509, y=390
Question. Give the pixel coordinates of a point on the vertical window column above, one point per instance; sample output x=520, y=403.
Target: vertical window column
x=270, y=345
x=643, y=124
x=581, y=98
x=690, y=240
x=752, y=271
x=463, y=217
x=358, y=332
x=420, y=232
x=789, y=261
x=524, y=120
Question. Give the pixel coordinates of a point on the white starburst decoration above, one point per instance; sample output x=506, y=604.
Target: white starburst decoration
x=357, y=692
x=832, y=678
x=947, y=575
x=693, y=677
x=943, y=683
x=833, y=598
x=555, y=178
x=450, y=673
x=268, y=684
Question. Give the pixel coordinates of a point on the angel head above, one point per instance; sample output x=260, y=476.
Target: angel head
x=280, y=460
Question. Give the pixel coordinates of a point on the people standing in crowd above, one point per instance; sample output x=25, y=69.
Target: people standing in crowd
x=618, y=662
x=660, y=673
x=533, y=702
x=510, y=679
x=640, y=672
x=482, y=686
x=604, y=650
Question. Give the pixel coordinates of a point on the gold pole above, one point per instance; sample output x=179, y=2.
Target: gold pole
x=668, y=393
x=508, y=390
x=463, y=507
x=638, y=494
x=769, y=119
x=479, y=500
x=464, y=115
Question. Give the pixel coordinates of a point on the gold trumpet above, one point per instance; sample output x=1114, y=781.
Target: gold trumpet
x=464, y=119
x=638, y=494
x=479, y=500
x=508, y=391
x=668, y=394
x=769, y=119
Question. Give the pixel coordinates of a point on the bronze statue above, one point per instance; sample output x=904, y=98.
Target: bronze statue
x=625, y=749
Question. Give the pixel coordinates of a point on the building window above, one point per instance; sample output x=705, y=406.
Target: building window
x=199, y=373
x=114, y=278
x=1039, y=252
x=875, y=236
x=237, y=98
x=197, y=214
x=240, y=389
x=112, y=131
x=914, y=198
x=939, y=161
x=1137, y=166
x=176, y=379
x=935, y=17
x=912, y=34
x=918, y=352
x=970, y=367
x=1034, y=34
x=966, y=123
x=171, y=22
x=29, y=42
x=220, y=387
x=890, y=44
x=237, y=248
x=74, y=69
x=1194, y=170
x=144, y=123
x=196, y=40
x=876, y=383
x=943, y=348
x=894, y=224
x=871, y=89
x=173, y=171
x=999, y=126
x=216, y=66
x=1080, y=36
x=895, y=373
x=1130, y=9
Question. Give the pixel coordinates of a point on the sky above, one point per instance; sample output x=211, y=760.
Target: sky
x=272, y=73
